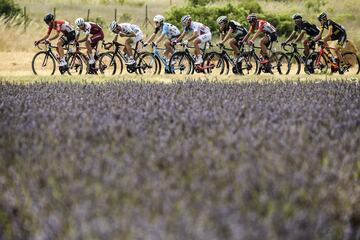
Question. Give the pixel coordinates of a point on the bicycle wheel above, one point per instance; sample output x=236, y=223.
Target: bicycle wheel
x=295, y=64
x=247, y=64
x=180, y=63
x=280, y=62
x=43, y=64
x=147, y=64
x=107, y=64
x=317, y=64
x=216, y=64
x=352, y=63
x=75, y=64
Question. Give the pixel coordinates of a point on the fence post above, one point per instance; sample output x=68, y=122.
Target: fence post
x=146, y=16
x=54, y=12
x=88, y=15
x=25, y=17
x=115, y=17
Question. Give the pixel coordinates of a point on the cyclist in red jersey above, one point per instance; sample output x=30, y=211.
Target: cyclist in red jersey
x=261, y=26
x=68, y=35
x=92, y=41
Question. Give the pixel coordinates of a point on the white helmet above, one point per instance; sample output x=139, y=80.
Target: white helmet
x=159, y=18
x=221, y=19
x=79, y=22
x=185, y=19
x=113, y=26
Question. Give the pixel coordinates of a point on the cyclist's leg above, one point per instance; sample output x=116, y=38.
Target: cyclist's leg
x=234, y=45
x=62, y=41
x=168, y=48
x=338, y=48
x=128, y=49
x=197, y=53
x=264, y=42
x=306, y=47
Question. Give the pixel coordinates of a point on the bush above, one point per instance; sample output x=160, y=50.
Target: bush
x=282, y=22
x=8, y=8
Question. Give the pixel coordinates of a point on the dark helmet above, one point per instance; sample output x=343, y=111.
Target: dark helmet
x=296, y=16
x=251, y=17
x=49, y=17
x=322, y=16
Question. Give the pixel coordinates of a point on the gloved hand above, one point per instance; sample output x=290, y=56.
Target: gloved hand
x=153, y=45
x=185, y=42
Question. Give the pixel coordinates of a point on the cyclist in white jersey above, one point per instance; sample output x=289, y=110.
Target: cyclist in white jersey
x=171, y=32
x=200, y=35
x=133, y=34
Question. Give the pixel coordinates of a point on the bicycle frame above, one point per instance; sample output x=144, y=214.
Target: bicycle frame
x=325, y=51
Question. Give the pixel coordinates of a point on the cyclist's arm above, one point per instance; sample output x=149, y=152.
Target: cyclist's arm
x=160, y=38
x=255, y=35
x=54, y=37
x=115, y=38
x=301, y=35
x=151, y=38
x=291, y=37
x=132, y=34
x=182, y=35
x=227, y=36
x=248, y=34
x=43, y=38
x=318, y=37
x=328, y=36
x=193, y=36
x=84, y=39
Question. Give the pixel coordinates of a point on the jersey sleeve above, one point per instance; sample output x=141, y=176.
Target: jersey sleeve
x=165, y=29
x=232, y=26
x=49, y=30
x=157, y=29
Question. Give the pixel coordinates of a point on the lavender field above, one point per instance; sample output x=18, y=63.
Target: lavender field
x=185, y=160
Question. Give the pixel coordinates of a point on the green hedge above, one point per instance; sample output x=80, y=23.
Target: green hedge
x=209, y=14
x=9, y=8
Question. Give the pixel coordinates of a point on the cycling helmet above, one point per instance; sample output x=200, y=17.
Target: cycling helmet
x=221, y=19
x=49, y=17
x=159, y=18
x=113, y=26
x=296, y=16
x=185, y=19
x=322, y=16
x=252, y=17
x=79, y=22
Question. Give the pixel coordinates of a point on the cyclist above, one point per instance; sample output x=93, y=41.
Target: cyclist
x=231, y=30
x=200, y=35
x=303, y=27
x=261, y=26
x=93, y=34
x=133, y=34
x=67, y=36
x=167, y=30
x=335, y=32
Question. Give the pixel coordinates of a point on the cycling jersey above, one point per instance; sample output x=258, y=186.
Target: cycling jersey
x=238, y=30
x=338, y=30
x=91, y=28
x=169, y=30
x=197, y=27
x=264, y=26
x=61, y=26
x=128, y=28
x=311, y=29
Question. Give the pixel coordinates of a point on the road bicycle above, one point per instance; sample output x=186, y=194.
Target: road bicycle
x=222, y=61
x=45, y=61
x=182, y=62
x=250, y=62
x=144, y=63
x=324, y=61
x=296, y=59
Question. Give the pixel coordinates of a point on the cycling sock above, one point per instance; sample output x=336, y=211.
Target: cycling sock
x=91, y=59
